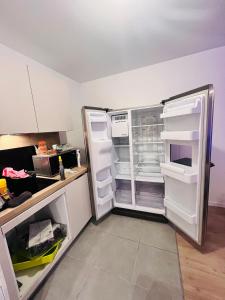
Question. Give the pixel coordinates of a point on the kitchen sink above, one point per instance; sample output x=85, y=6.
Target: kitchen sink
x=42, y=183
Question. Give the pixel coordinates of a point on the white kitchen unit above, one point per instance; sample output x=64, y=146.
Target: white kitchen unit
x=3, y=288
x=54, y=207
x=69, y=206
x=52, y=99
x=17, y=107
x=78, y=203
x=153, y=159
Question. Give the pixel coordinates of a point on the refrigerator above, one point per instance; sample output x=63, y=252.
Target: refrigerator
x=153, y=160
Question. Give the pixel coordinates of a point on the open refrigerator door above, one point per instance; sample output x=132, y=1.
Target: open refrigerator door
x=186, y=170
x=99, y=153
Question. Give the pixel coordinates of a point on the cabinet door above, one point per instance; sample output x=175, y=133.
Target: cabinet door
x=187, y=135
x=78, y=203
x=17, y=109
x=52, y=99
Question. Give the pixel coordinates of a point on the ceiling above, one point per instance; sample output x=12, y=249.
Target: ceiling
x=88, y=39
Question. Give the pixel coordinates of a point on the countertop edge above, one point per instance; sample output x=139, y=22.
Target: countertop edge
x=10, y=213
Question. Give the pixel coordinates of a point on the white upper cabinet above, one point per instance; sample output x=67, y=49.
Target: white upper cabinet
x=17, y=108
x=52, y=99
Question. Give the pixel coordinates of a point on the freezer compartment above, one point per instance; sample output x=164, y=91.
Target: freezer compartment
x=117, y=141
x=181, y=199
x=123, y=191
x=121, y=154
x=149, y=194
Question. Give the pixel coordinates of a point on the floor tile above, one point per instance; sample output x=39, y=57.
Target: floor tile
x=65, y=281
x=125, y=227
x=163, y=291
x=117, y=255
x=85, y=247
x=155, y=267
x=158, y=235
x=101, y=285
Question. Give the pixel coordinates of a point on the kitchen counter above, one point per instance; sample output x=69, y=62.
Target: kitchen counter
x=10, y=213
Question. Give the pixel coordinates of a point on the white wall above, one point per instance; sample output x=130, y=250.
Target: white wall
x=149, y=85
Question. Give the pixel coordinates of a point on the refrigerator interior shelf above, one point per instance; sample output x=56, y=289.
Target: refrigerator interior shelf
x=102, y=141
x=152, y=177
x=180, y=135
x=105, y=199
x=152, y=210
x=150, y=125
x=119, y=146
x=188, y=109
x=152, y=154
x=190, y=218
x=121, y=162
x=103, y=183
x=149, y=162
x=179, y=173
x=123, y=176
x=148, y=142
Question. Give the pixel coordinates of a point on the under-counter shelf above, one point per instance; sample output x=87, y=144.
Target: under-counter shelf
x=31, y=278
x=172, y=206
x=191, y=135
x=181, y=173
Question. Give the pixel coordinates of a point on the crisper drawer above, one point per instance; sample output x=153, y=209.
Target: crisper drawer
x=149, y=194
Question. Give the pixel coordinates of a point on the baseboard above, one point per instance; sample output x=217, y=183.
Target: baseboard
x=217, y=204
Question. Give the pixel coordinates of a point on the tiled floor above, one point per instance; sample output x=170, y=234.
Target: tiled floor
x=120, y=259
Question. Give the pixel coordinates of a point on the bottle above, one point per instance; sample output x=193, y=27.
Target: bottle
x=78, y=158
x=61, y=169
x=3, y=189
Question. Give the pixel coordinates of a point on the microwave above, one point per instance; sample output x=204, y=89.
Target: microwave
x=48, y=165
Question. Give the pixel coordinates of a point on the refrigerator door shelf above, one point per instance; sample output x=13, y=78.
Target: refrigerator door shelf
x=102, y=144
x=179, y=173
x=191, y=135
x=181, y=110
x=97, y=117
x=103, y=183
x=170, y=205
x=105, y=199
